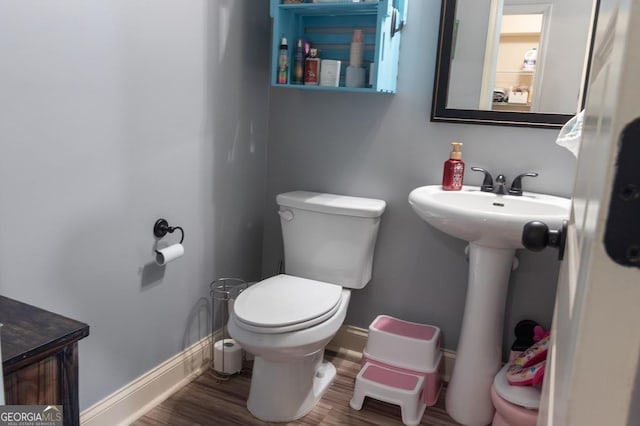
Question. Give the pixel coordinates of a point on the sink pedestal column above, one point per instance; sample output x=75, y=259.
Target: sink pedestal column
x=480, y=347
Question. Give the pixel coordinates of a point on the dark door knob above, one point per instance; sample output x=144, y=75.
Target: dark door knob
x=537, y=235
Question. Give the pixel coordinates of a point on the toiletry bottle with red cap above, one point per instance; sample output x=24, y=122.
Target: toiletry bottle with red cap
x=453, y=173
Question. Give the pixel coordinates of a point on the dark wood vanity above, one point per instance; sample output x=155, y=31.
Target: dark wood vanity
x=40, y=357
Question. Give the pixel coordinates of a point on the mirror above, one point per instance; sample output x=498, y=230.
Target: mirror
x=513, y=62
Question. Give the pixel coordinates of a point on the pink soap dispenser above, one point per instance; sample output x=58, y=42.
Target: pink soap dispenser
x=453, y=174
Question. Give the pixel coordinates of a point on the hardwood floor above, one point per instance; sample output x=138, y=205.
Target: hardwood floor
x=210, y=402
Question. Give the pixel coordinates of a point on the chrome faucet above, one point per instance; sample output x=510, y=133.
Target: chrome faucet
x=487, y=182
x=516, y=185
x=501, y=180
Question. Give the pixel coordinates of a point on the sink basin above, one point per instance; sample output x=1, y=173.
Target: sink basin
x=493, y=226
x=485, y=218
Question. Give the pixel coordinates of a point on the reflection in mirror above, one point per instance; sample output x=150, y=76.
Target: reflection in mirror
x=521, y=62
x=513, y=78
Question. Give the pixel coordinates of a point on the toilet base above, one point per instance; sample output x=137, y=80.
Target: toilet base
x=287, y=389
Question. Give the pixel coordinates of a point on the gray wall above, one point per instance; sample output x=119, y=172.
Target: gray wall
x=113, y=114
x=383, y=146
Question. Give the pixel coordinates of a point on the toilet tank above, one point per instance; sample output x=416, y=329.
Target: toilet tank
x=329, y=237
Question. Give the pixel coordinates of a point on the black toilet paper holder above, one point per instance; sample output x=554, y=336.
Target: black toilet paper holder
x=161, y=228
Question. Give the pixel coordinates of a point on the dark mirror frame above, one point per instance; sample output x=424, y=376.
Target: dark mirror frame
x=439, y=111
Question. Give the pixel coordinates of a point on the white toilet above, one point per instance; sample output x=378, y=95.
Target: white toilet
x=287, y=320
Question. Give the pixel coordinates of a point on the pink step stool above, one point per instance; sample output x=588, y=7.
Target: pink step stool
x=385, y=384
x=399, y=353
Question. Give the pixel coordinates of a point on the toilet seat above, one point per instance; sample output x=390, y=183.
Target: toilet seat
x=524, y=396
x=285, y=303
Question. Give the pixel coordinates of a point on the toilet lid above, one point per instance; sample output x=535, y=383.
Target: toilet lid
x=524, y=396
x=285, y=300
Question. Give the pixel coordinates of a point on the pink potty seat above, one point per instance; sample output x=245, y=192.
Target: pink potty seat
x=515, y=405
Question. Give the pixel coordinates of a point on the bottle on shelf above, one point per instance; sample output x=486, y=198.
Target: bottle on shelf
x=355, y=51
x=312, y=68
x=298, y=63
x=283, y=62
x=530, y=58
x=355, y=74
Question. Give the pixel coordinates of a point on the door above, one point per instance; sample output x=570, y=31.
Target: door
x=592, y=373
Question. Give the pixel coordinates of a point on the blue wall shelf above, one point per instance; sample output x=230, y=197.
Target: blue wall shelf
x=329, y=26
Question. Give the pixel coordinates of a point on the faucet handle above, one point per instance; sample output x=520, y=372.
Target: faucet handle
x=487, y=183
x=516, y=185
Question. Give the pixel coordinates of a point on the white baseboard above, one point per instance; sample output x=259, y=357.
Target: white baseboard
x=132, y=401
x=352, y=340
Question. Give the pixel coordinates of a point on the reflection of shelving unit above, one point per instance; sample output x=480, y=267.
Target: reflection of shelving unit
x=520, y=31
x=510, y=57
x=514, y=78
x=504, y=106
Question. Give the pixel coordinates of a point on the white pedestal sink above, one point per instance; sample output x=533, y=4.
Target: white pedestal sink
x=493, y=225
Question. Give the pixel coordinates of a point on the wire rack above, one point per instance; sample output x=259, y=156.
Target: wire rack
x=223, y=291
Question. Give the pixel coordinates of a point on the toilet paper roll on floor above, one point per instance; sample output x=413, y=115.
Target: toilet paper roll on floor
x=227, y=356
x=169, y=254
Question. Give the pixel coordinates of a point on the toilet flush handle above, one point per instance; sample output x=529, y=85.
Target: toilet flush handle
x=286, y=215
